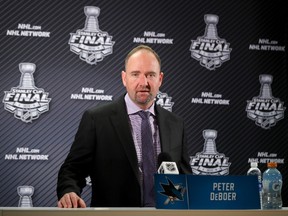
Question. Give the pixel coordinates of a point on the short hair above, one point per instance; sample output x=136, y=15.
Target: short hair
x=142, y=47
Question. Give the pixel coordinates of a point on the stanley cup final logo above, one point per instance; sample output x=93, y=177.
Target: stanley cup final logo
x=26, y=101
x=25, y=193
x=90, y=43
x=210, y=50
x=209, y=161
x=265, y=109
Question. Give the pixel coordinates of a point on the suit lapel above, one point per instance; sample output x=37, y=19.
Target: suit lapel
x=165, y=131
x=120, y=121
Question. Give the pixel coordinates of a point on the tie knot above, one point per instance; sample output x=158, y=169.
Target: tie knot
x=143, y=114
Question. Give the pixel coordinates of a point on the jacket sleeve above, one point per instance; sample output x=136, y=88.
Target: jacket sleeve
x=74, y=170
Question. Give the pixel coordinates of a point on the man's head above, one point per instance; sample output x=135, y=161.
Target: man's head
x=142, y=76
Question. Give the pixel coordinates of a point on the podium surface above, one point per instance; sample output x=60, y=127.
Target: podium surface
x=46, y=211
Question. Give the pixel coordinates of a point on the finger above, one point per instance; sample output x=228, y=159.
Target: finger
x=62, y=203
x=71, y=200
x=82, y=204
x=74, y=200
x=59, y=204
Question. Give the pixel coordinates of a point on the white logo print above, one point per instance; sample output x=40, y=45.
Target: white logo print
x=265, y=110
x=209, y=161
x=26, y=101
x=210, y=50
x=163, y=100
x=90, y=43
x=25, y=192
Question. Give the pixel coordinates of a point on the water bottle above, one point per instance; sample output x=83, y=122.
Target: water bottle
x=254, y=170
x=272, y=186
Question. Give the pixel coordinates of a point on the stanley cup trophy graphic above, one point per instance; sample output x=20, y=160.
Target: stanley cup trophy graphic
x=209, y=144
x=265, y=109
x=266, y=90
x=211, y=30
x=25, y=193
x=91, y=23
x=27, y=79
x=209, y=161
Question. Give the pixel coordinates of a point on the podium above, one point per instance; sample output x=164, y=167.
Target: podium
x=38, y=211
x=206, y=192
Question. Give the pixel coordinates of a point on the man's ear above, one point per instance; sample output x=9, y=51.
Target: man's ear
x=123, y=75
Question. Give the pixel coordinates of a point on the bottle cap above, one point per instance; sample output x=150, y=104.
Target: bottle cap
x=271, y=164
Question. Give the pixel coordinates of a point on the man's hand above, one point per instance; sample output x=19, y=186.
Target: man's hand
x=71, y=200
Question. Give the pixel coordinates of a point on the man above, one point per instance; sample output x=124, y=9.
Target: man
x=107, y=146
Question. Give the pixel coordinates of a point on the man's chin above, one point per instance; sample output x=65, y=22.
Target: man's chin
x=143, y=100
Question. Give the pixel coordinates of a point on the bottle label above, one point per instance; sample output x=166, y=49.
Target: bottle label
x=276, y=186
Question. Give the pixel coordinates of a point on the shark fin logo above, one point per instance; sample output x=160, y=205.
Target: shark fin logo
x=265, y=109
x=173, y=192
x=90, y=43
x=210, y=50
x=209, y=161
x=26, y=101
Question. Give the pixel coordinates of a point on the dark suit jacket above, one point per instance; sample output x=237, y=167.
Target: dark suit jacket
x=104, y=150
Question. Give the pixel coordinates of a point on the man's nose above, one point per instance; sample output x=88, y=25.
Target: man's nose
x=143, y=80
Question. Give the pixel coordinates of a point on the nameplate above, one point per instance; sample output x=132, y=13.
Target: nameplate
x=223, y=192
x=206, y=192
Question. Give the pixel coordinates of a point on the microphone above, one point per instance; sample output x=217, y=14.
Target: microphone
x=167, y=166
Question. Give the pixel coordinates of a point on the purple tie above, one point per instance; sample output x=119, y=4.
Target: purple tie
x=148, y=160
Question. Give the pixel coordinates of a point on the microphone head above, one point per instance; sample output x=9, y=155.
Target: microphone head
x=163, y=156
x=166, y=165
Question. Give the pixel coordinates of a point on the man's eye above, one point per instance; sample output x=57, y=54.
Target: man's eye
x=151, y=75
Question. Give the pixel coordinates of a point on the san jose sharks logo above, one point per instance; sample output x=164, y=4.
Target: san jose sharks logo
x=174, y=192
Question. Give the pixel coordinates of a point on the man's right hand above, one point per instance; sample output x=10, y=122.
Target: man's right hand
x=71, y=200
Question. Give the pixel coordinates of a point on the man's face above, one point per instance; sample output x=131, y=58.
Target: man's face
x=142, y=78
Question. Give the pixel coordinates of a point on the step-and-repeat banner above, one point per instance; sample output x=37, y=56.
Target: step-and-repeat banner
x=225, y=66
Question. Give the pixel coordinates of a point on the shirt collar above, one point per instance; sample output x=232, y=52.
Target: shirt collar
x=132, y=108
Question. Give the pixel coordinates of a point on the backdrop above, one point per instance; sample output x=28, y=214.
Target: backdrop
x=225, y=66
